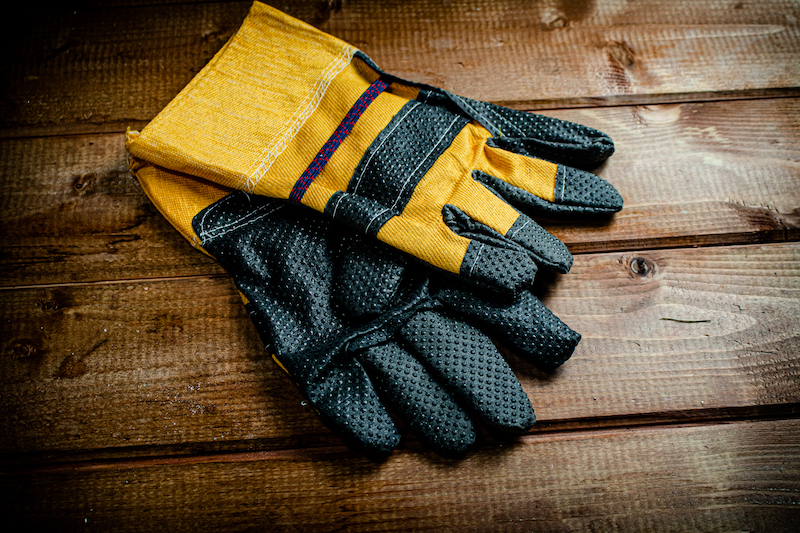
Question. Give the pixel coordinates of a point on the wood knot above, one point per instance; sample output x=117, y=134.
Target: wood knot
x=641, y=267
x=49, y=305
x=23, y=350
x=620, y=53
x=557, y=23
x=83, y=183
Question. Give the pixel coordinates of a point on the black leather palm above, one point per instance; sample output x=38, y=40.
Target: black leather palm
x=359, y=328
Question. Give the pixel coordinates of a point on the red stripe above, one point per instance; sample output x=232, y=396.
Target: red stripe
x=342, y=131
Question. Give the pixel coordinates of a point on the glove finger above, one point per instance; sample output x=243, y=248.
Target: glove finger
x=492, y=250
x=539, y=136
x=575, y=191
x=346, y=399
x=419, y=400
x=469, y=365
x=519, y=321
x=531, y=182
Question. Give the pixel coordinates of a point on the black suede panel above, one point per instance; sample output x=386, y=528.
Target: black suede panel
x=490, y=257
x=587, y=192
x=547, y=250
x=540, y=136
x=484, y=263
x=347, y=401
x=360, y=214
x=515, y=254
x=520, y=322
x=404, y=152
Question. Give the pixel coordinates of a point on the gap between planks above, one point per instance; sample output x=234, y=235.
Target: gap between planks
x=120, y=127
x=112, y=282
x=210, y=276
x=123, y=459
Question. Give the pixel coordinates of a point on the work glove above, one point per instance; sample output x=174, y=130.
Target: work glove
x=287, y=111
x=360, y=327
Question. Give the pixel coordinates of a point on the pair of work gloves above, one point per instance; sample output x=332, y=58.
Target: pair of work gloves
x=392, y=175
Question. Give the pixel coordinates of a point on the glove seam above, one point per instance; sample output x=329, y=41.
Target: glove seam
x=383, y=141
x=475, y=261
x=292, y=126
x=246, y=220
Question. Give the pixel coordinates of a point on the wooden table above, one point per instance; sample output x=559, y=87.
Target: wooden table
x=136, y=395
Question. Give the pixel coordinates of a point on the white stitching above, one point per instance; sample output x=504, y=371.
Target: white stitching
x=475, y=261
x=411, y=174
x=243, y=221
x=336, y=207
x=511, y=235
x=292, y=126
x=467, y=104
x=249, y=218
x=366, y=230
x=377, y=148
x=211, y=208
x=319, y=88
x=504, y=119
x=493, y=112
x=220, y=230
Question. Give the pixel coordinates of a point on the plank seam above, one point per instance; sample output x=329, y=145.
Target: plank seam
x=742, y=415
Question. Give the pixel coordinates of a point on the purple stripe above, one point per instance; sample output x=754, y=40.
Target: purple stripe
x=342, y=131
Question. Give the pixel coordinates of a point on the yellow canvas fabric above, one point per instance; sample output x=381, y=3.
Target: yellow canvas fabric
x=178, y=197
x=243, y=109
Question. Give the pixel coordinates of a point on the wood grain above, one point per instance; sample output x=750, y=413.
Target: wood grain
x=670, y=334
x=105, y=68
x=74, y=212
x=135, y=394
x=552, y=54
x=694, y=329
x=691, y=174
x=696, y=174
x=741, y=476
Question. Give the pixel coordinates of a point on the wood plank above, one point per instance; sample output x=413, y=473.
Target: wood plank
x=554, y=54
x=75, y=213
x=692, y=329
x=102, y=69
x=85, y=69
x=691, y=174
x=673, y=335
x=695, y=174
x=135, y=393
x=741, y=476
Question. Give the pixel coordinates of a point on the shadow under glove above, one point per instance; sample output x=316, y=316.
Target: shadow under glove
x=357, y=327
